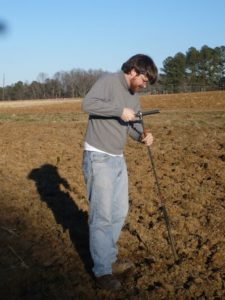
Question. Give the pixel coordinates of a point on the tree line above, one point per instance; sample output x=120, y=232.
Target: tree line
x=203, y=68
x=72, y=84
x=195, y=70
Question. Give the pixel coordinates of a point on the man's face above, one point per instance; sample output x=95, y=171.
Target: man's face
x=137, y=81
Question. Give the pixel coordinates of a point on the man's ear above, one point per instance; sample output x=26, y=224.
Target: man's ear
x=133, y=73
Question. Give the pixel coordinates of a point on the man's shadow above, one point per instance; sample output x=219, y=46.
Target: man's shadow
x=65, y=210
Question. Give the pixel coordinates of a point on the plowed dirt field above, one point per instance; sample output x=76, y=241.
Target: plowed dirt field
x=43, y=208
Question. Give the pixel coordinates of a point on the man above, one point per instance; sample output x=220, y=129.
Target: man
x=112, y=104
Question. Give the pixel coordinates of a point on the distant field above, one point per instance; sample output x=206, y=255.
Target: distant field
x=41, y=102
x=43, y=208
x=204, y=100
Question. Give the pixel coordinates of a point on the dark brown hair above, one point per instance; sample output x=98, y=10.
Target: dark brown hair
x=142, y=64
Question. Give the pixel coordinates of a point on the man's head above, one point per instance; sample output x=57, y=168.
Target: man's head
x=140, y=69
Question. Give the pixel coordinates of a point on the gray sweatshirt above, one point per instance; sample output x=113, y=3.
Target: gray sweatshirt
x=104, y=103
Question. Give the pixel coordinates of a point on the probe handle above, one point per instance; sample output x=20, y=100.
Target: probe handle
x=147, y=113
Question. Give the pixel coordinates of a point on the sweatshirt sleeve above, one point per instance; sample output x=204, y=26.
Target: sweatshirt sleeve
x=135, y=131
x=100, y=101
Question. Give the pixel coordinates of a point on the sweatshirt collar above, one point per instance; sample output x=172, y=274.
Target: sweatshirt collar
x=124, y=82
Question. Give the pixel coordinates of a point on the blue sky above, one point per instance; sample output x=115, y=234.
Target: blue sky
x=59, y=35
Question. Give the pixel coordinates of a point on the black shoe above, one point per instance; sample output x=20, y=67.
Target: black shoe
x=108, y=282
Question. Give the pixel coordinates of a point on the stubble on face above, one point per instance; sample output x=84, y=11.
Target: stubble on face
x=135, y=85
x=136, y=81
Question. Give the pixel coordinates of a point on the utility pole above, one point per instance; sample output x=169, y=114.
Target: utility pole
x=3, y=87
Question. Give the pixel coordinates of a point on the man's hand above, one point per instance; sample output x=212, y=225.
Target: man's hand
x=128, y=115
x=147, y=138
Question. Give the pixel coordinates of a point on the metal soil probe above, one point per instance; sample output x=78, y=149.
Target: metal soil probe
x=162, y=204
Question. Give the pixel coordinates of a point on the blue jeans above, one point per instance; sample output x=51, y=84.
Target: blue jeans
x=107, y=191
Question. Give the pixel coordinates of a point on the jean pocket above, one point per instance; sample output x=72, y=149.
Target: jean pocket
x=99, y=157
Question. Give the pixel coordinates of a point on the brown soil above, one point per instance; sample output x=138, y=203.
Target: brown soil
x=43, y=209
